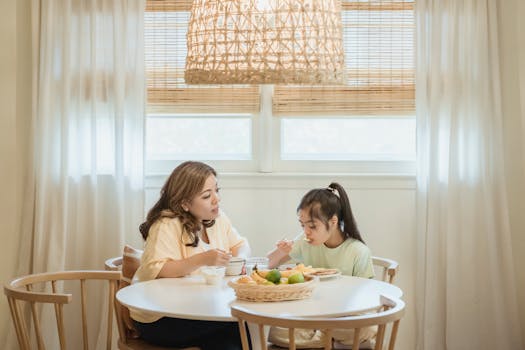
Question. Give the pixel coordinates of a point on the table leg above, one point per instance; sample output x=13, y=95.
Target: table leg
x=254, y=335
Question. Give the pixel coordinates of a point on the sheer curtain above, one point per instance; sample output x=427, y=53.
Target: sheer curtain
x=466, y=297
x=85, y=195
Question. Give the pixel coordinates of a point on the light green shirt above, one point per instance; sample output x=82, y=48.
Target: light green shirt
x=352, y=257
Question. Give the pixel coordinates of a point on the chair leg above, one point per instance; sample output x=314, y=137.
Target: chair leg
x=20, y=328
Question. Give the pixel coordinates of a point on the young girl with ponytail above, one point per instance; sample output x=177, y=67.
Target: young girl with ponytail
x=330, y=236
x=330, y=239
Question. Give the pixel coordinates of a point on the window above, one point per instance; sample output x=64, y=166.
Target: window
x=366, y=125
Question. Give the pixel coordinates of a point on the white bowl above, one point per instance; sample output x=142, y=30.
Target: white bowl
x=235, y=266
x=213, y=274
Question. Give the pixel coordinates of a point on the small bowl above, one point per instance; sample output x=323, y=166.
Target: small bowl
x=213, y=274
x=235, y=266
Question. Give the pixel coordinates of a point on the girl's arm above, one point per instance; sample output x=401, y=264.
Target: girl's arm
x=280, y=254
x=183, y=267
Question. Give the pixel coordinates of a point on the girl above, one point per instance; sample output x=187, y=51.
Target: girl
x=330, y=236
x=330, y=239
x=183, y=231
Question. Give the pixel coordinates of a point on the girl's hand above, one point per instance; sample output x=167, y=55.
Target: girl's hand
x=284, y=246
x=216, y=257
x=280, y=254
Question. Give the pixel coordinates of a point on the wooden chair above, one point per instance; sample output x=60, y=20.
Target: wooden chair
x=127, y=264
x=389, y=268
x=113, y=264
x=47, y=288
x=390, y=314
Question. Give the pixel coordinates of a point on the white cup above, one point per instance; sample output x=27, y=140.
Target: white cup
x=213, y=274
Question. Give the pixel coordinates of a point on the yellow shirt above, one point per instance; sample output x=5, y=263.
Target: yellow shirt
x=165, y=242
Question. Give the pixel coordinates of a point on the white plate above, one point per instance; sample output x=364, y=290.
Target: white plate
x=326, y=277
x=285, y=267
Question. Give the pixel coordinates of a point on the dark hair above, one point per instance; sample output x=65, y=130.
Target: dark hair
x=184, y=183
x=324, y=203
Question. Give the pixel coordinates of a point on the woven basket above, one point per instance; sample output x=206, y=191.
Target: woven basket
x=280, y=292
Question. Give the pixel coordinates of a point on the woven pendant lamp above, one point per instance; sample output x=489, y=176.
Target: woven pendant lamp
x=265, y=42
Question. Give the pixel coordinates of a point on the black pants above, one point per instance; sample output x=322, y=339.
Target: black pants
x=176, y=332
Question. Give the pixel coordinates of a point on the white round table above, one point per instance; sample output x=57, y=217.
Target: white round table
x=190, y=298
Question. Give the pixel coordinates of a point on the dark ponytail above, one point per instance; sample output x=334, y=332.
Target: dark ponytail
x=347, y=220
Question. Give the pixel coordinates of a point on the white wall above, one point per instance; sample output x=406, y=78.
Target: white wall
x=263, y=208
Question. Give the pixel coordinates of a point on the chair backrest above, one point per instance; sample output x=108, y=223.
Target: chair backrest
x=47, y=288
x=129, y=339
x=127, y=264
x=391, y=313
x=113, y=264
x=389, y=268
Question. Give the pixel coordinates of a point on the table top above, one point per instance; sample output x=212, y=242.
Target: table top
x=191, y=298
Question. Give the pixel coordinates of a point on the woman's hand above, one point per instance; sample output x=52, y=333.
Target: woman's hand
x=183, y=267
x=216, y=257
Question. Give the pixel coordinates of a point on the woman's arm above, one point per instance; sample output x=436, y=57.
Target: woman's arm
x=242, y=250
x=280, y=254
x=183, y=267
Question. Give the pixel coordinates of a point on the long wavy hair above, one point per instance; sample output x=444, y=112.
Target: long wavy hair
x=184, y=183
x=324, y=203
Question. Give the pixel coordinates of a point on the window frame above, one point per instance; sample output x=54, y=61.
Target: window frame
x=266, y=131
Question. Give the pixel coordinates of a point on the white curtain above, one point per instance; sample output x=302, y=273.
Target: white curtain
x=466, y=296
x=85, y=194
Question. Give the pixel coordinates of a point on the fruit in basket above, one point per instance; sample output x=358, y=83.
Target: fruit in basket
x=288, y=273
x=296, y=278
x=246, y=280
x=273, y=276
x=261, y=272
x=257, y=278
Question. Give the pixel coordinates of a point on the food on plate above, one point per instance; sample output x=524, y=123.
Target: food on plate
x=308, y=270
x=324, y=272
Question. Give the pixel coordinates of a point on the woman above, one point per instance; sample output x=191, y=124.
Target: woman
x=184, y=231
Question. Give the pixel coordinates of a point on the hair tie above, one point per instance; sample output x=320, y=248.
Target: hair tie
x=334, y=191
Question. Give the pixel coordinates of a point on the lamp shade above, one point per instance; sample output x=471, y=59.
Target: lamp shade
x=265, y=42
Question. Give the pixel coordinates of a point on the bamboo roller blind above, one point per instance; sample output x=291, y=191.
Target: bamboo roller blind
x=379, y=66
x=165, y=27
